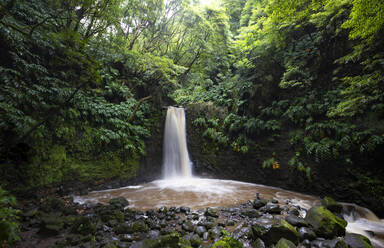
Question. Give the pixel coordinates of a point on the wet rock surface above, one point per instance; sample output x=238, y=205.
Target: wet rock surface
x=59, y=222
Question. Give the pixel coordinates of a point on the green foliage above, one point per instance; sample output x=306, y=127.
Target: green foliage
x=296, y=163
x=366, y=19
x=9, y=226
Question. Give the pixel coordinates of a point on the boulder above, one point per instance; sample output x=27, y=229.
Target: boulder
x=200, y=230
x=258, y=243
x=325, y=223
x=188, y=226
x=211, y=212
x=258, y=203
x=119, y=202
x=355, y=240
x=272, y=232
x=194, y=239
x=172, y=240
x=285, y=243
x=306, y=233
x=227, y=243
x=251, y=213
x=137, y=226
x=273, y=208
x=331, y=205
x=334, y=243
x=244, y=232
x=296, y=221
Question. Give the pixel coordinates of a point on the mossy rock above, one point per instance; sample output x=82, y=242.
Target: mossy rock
x=285, y=243
x=119, y=202
x=83, y=225
x=258, y=243
x=355, y=240
x=271, y=233
x=172, y=240
x=331, y=205
x=325, y=223
x=227, y=242
x=137, y=226
x=211, y=212
x=188, y=226
x=195, y=240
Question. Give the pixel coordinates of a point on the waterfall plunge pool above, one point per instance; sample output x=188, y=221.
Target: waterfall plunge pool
x=199, y=193
x=180, y=188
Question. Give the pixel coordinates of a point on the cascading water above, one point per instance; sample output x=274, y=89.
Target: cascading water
x=176, y=161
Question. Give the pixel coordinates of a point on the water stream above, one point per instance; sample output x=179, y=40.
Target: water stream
x=180, y=188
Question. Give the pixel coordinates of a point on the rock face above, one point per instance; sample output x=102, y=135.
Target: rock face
x=325, y=223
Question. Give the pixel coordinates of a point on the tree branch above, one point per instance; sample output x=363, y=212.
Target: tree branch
x=137, y=107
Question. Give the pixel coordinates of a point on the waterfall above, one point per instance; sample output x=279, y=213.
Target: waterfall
x=176, y=161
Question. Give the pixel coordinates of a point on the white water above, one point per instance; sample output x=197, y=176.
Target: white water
x=176, y=161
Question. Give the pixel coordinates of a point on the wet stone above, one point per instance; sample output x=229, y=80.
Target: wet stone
x=126, y=237
x=251, y=213
x=294, y=211
x=258, y=203
x=119, y=202
x=296, y=221
x=244, y=232
x=215, y=232
x=306, y=233
x=211, y=212
x=200, y=230
x=273, y=208
x=205, y=236
x=185, y=210
x=162, y=209
x=188, y=226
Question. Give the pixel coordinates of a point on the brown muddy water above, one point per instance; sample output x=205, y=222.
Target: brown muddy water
x=199, y=193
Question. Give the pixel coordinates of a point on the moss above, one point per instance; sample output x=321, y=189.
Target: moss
x=227, y=242
x=325, y=223
x=284, y=243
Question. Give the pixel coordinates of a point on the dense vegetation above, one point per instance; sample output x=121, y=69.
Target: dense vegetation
x=83, y=82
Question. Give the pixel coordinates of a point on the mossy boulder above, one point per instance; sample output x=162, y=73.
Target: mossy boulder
x=137, y=226
x=325, y=223
x=172, y=240
x=211, y=212
x=272, y=232
x=227, y=242
x=331, y=204
x=285, y=243
x=83, y=225
x=258, y=203
x=251, y=213
x=188, y=226
x=119, y=202
x=355, y=240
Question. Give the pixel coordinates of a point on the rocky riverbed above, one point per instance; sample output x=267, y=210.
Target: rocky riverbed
x=59, y=222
